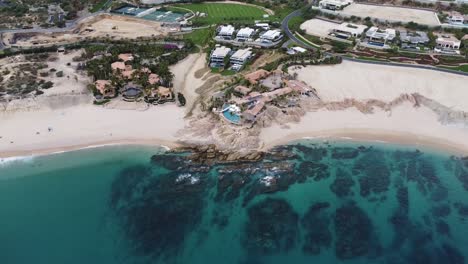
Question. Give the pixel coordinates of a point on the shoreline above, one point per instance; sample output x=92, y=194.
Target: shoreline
x=364, y=136
x=99, y=144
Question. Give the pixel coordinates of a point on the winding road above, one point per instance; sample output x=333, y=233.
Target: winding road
x=287, y=31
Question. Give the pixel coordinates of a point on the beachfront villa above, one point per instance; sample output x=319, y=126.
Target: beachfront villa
x=243, y=90
x=347, y=31
x=380, y=37
x=413, y=39
x=271, y=36
x=334, y=4
x=218, y=56
x=254, y=77
x=447, y=44
x=239, y=58
x=105, y=88
x=245, y=34
x=226, y=32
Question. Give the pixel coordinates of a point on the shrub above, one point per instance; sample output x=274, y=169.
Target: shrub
x=181, y=99
x=59, y=74
x=47, y=85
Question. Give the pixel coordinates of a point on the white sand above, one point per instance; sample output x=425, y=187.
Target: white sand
x=185, y=81
x=86, y=125
x=317, y=27
x=391, y=13
x=367, y=81
x=404, y=125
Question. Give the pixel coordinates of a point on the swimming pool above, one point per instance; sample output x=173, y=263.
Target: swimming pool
x=231, y=115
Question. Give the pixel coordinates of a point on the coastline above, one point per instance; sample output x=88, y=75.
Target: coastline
x=375, y=137
x=58, y=150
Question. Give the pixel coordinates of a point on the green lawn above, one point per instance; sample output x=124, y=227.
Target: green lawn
x=200, y=36
x=463, y=68
x=98, y=6
x=218, y=13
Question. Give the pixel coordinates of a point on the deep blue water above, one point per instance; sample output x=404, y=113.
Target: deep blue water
x=306, y=202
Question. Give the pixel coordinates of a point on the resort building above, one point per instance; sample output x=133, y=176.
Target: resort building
x=105, y=88
x=380, y=37
x=447, y=44
x=165, y=93
x=271, y=36
x=255, y=76
x=413, y=39
x=253, y=111
x=270, y=96
x=264, y=26
x=118, y=65
x=242, y=90
x=334, y=4
x=126, y=57
x=455, y=18
x=226, y=32
x=153, y=78
x=348, y=31
x=299, y=87
x=218, y=55
x=244, y=34
x=240, y=57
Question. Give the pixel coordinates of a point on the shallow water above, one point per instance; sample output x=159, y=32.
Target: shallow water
x=306, y=202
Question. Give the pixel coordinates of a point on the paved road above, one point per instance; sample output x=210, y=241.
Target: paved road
x=287, y=31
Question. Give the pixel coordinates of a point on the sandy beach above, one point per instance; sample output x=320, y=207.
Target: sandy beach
x=363, y=81
x=26, y=133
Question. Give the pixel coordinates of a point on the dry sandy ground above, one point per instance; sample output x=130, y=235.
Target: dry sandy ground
x=391, y=13
x=403, y=125
x=104, y=25
x=185, y=80
x=23, y=133
x=367, y=81
x=318, y=27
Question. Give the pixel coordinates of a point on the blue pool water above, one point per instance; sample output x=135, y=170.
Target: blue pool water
x=234, y=118
x=307, y=202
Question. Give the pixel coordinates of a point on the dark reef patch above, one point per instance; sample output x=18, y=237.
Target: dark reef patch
x=442, y=228
x=462, y=209
x=157, y=212
x=345, y=153
x=354, y=233
x=374, y=175
x=343, y=183
x=315, y=170
x=441, y=210
x=272, y=228
x=316, y=223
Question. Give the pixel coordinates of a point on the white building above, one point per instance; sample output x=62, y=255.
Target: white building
x=264, y=26
x=271, y=36
x=348, y=30
x=240, y=57
x=226, y=32
x=334, y=4
x=380, y=37
x=456, y=18
x=245, y=34
x=447, y=44
x=218, y=55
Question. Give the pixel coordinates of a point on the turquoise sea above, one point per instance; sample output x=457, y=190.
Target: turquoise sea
x=306, y=202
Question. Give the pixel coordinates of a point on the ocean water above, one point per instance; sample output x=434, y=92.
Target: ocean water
x=306, y=202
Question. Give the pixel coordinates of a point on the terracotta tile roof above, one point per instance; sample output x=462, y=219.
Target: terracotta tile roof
x=255, y=76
